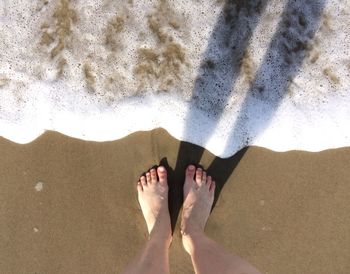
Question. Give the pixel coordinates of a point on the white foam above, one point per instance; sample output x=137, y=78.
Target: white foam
x=292, y=91
x=39, y=186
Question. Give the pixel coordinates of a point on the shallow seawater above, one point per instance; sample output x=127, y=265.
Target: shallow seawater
x=220, y=74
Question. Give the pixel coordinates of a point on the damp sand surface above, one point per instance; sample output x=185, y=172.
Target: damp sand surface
x=70, y=206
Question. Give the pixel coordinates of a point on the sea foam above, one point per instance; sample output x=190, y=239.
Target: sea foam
x=220, y=74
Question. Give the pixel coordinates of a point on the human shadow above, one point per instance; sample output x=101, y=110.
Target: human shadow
x=217, y=74
x=220, y=70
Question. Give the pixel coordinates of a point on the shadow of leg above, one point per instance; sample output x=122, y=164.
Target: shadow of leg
x=221, y=170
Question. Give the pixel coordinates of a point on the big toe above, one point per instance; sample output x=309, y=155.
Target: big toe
x=190, y=171
x=162, y=175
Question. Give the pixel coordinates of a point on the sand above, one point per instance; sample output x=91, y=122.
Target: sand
x=70, y=206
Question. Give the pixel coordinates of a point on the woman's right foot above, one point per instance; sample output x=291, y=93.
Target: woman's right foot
x=199, y=192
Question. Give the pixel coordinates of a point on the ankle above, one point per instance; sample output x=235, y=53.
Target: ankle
x=191, y=240
x=162, y=238
x=191, y=230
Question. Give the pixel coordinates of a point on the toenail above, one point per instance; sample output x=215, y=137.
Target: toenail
x=161, y=168
x=191, y=167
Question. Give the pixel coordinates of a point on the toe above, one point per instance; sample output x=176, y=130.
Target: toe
x=212, y=187
x=139, y=186
x=209, y=181
x=190, y=172
x=143, y=180
x=204, y=177
x=153, y=176
x=148, y=177
x=162, y=175
x=199, y=174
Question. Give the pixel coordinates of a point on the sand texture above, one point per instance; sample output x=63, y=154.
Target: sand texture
x=70, y=206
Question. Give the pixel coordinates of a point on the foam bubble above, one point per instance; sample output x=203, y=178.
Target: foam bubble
x=39, y=186
x=219, y=74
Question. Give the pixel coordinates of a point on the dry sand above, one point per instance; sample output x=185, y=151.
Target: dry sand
x=70, y=206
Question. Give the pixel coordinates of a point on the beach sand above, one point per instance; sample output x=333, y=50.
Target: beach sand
x=70, y=206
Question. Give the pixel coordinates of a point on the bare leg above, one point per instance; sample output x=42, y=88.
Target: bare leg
x=207, y=256
x=153, y=198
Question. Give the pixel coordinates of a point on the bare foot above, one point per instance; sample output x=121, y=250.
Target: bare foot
x=199, y=192
x=153, y=198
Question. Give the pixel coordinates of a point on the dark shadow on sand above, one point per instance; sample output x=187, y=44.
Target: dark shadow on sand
x=216, y=79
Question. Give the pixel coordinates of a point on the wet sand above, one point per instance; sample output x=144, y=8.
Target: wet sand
x=70, y=206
